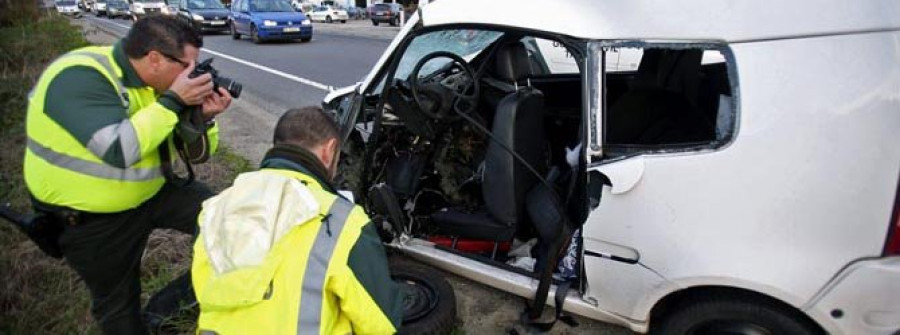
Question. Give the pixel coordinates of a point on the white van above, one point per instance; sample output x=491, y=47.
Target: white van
x=697, y=166
x=68, y=7
x=142, y=8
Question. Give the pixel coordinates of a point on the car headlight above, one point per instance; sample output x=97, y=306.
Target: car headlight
x=197, y=17
x=270, y=23
x=306, y=22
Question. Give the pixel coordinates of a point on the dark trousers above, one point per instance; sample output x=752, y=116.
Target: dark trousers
x=105, y=250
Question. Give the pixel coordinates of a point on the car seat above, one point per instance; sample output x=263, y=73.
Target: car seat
x=518, y=125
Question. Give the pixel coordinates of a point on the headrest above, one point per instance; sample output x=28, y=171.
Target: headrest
x=512, y=62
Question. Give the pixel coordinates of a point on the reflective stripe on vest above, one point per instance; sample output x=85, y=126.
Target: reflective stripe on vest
x=104, y=62
x=103, y=139
x=99, y=170
x=310, y=319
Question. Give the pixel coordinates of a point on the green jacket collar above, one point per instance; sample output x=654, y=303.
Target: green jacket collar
x=289, y=157
x=130, y=77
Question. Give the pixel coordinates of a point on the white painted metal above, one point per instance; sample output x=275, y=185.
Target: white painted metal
x=805, y=189
x=878, y=280
x=735, y=20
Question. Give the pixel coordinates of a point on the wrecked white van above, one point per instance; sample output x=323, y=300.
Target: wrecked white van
x=670, y=166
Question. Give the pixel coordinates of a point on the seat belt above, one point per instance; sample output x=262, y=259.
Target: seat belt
x=534, y=311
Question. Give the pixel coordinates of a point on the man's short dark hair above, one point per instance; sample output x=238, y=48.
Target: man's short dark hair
x=307, y=127
x=163, y=33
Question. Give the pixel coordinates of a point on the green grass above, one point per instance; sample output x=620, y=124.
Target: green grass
x=41, y=295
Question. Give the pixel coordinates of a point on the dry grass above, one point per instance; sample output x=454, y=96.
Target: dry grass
x=40, y=295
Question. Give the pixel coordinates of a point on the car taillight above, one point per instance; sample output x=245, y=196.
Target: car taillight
x=892, y=246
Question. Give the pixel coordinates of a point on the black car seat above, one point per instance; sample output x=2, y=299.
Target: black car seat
x=519, y=126
x=661, y=105
x=511, y=68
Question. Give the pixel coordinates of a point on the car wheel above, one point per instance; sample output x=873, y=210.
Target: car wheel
x=254, y=35
x=733, y=315
x=328, y=19
x=395, y=21
x=234, y=33
x=429, y=305
x=374, y=23
x=343, y=21
x=305, y=39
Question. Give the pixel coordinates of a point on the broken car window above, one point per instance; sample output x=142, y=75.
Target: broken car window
x=466, y=43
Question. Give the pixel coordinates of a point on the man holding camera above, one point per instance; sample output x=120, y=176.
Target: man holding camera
x=100, y=129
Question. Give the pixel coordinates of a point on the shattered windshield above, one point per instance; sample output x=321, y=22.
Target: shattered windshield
x=467, y=43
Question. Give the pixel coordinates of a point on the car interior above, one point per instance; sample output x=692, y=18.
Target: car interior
x=484, y=154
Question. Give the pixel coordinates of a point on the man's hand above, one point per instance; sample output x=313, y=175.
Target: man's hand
x=214, y=104
x=192, y=91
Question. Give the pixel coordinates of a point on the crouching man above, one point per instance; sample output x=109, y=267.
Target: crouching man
x=279, y=252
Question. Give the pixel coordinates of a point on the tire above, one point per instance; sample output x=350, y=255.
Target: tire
x=254, y=35
x=234, y=33
x=328, y=19
x=734, y=315
x=343, y=21
x=429, y=305
x=374, y=23
x=305, y=39
x=395, y=21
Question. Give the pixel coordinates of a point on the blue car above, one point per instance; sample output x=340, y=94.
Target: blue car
x=268, y=19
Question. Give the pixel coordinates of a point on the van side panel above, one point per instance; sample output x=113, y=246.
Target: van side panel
x=806, y=187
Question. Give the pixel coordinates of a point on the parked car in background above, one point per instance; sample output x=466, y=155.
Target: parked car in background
x=99, y=7
x=328, y=14
x=268, y=19
x=385, y=13
x=356, y=13
x=204, y=15
x=141, y=8
x=117, y=8
x=68, y=7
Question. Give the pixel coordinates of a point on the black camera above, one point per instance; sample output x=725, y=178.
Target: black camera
x=204, y=67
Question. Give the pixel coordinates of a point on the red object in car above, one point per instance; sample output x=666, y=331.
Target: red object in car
x=892, y=246
x=469, y=245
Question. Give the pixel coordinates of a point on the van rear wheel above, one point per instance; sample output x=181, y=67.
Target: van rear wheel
x=733, y=315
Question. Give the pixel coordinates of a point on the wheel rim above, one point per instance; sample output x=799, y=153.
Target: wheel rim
x=419, y=297
x=328, y=19
x=730, y=327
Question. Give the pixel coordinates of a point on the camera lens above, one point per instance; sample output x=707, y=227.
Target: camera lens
x=234, y=88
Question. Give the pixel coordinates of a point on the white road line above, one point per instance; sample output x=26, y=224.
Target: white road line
x=284, y=75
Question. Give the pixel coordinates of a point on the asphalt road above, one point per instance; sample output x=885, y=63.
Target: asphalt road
x=281, y=75
x=285, y=74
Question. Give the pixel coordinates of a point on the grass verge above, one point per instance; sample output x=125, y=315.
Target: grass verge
x=41, y=295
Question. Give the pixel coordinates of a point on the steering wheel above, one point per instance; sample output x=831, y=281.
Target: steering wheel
x=451, y=88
